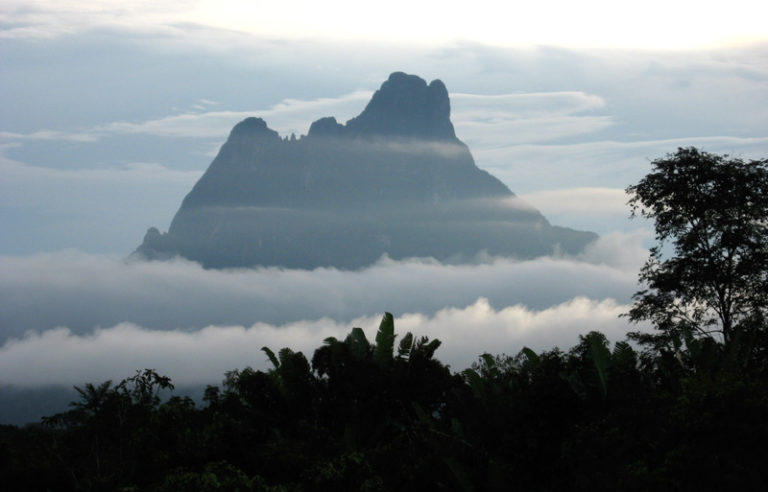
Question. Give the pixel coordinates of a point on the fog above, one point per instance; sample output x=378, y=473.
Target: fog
x=87, y=316
x=59, y=356
x=82, y=291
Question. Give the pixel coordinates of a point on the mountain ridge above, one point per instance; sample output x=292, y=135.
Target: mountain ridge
x=393, y=180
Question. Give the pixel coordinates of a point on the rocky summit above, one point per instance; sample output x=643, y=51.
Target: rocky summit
x=395, y=180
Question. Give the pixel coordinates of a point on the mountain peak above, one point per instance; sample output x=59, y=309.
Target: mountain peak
x=405, y=106
x=395, y=180
x=252, y=127
x=326, y=127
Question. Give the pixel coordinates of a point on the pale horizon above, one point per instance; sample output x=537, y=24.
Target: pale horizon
x=591, y=24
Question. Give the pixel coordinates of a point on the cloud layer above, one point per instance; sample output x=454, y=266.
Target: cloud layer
x=59, y=356
x=483, y=120
x=70, y=317
x=81, y=291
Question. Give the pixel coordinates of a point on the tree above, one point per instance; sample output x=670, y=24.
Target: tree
x=709, y=274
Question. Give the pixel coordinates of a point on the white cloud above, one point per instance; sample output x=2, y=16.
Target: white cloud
x=50, y=18
x=187, y=125
x=595, y=201
x=602, y=210
x=290, y=115
x=491, y=121
x=615, y=249
x=83, y=291
x=483, y=121
x=58, y=356
x=531, y=103
x=502, y=132
x=51, y=135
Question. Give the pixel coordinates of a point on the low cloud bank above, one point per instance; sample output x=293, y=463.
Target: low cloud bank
x=70, y=318
x=83, y=291
x=59, y=356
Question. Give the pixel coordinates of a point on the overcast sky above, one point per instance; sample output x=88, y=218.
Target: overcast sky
x=112, y=110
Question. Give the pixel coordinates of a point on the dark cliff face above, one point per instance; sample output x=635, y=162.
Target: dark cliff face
x=394, y=180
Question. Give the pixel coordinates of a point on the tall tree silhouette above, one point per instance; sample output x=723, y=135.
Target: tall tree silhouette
x=712, y=211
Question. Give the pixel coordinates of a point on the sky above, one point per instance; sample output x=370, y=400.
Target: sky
x=113, y=110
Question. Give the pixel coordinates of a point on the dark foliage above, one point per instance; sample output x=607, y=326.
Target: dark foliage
x=389, y=416
x=713, y=210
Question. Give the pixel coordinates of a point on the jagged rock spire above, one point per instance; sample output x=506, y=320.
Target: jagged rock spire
x=406, y=106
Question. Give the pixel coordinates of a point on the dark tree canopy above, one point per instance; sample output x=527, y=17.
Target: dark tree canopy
x=386, y=415
x=709, y=273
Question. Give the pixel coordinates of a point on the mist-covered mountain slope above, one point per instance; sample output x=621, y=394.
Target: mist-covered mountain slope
x=394, y=180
